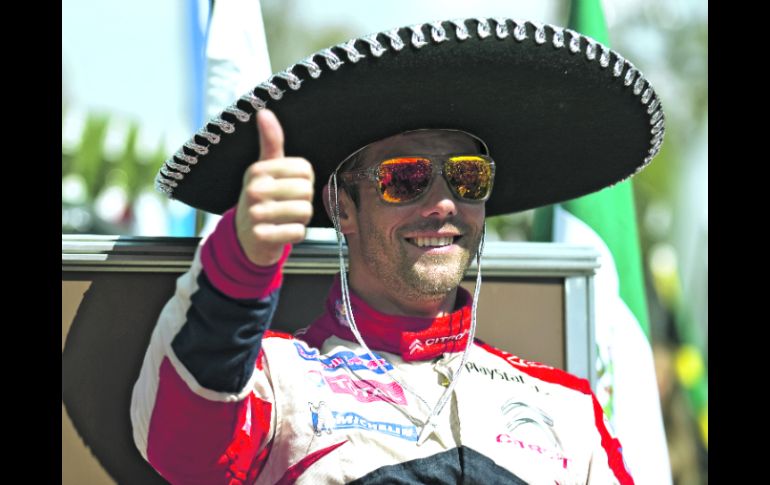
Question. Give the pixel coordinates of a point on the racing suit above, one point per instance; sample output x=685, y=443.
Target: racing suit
x=222, y=399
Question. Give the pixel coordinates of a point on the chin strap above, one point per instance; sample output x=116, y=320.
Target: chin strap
x=429, y=425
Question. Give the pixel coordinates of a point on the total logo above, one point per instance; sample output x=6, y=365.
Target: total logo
x=418, y=345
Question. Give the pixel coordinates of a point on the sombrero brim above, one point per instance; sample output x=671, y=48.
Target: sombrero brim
x=562, y=115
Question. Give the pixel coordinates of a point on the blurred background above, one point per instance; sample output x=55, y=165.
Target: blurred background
x=133, y=77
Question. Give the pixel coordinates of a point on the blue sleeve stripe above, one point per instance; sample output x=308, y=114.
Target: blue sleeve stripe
x=221, y=337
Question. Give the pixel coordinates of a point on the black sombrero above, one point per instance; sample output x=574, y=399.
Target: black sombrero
x=562, y=114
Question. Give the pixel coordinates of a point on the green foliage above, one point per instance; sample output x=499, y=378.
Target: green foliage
x=88, y=159
x=288, y=39
x=89, y=162
x=139, y=171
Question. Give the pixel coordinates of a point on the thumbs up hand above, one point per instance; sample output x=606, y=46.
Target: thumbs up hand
x=275, y=204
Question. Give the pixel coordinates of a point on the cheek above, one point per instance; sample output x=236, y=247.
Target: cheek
x=381, y=218
x=474, y=215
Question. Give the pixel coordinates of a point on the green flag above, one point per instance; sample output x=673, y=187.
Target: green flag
x=626, y=386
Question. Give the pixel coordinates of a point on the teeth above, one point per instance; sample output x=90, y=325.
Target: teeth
x=433, y=241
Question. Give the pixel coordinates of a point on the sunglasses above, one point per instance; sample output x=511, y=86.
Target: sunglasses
x=400, y=180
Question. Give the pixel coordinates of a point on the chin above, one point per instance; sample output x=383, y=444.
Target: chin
x=436, y=282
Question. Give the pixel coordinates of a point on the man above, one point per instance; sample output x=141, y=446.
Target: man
x=377, y=389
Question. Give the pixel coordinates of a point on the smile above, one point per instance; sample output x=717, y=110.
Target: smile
x=422, y=242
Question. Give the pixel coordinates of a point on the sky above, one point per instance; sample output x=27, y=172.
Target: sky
x=129, y=58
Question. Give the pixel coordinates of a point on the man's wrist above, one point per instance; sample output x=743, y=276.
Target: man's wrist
x=231, y=271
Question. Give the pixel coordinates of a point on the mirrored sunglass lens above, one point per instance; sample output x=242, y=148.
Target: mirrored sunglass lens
x=403, y=179
x=469, y=176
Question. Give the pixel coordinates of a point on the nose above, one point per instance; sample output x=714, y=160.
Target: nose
x=439, y=201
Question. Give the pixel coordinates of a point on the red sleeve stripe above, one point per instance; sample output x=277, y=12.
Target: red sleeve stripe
x=195, y=440
x=230, y=271
x=296, y=470
x=277, y=334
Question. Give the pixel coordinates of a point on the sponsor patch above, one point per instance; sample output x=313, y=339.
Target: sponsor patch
x=366, y=390
x=325, y=420
x=419, y=346
x=493, y=374
x=322, y=418
x=345, y=358
x=551, y=454
x=499, y=375
x=416, y=346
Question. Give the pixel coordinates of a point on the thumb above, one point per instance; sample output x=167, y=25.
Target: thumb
x=270, y=135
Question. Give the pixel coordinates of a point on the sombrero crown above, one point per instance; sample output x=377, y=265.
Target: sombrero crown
x=562, y=114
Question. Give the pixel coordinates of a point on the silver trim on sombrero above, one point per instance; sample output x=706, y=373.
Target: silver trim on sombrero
x=395, y=39
x=657, y=127
x=223, y=125
x=331, y=58
x=189, y=159
x=312, y=68
x=483, y=29
x=646, y=95
x=639, y=85
x=520, y=30
x=255, y=101
x=166, y=189
x=241, y=115
x=461, y=31
x=350, y=49
x=604, y=58
x=174, y=175
x=657, y=143
x=558, y=39
x=653, y=106
x=274, y=91
x=590, y=48
x=657, y=140
x=211, y=137
x=375, y=47
x=165, y=183
x=501, y=29
x=617, y=69
x=180, y=163
x=178, y=166
x=199, y=149
x=629, y=77
x=418, y=38
x=292, y=80
x=437, y=32
x=574, y=44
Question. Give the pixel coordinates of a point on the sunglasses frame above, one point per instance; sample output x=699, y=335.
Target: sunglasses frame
x=438, y=164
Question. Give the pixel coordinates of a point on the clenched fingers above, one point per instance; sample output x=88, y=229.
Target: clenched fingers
x=290, y=167
x=265, y=189
x=279, y=233
x=281, y=212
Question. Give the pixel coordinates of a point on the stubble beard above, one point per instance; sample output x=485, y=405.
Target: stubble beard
x=429, y=278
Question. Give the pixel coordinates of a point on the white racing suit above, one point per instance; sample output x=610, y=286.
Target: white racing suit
x=222, y=399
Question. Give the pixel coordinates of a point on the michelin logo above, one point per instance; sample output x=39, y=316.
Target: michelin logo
x=325, y=420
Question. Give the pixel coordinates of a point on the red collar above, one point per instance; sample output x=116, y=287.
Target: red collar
x=412, y=337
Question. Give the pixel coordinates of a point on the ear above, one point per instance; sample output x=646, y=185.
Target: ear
x=348, y=223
